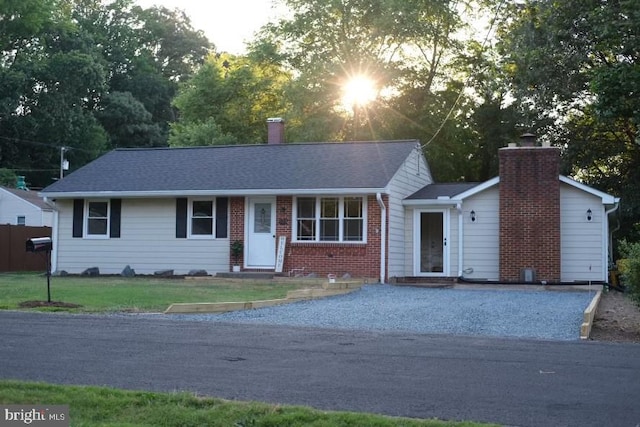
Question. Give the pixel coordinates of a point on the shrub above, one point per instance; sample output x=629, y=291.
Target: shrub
x=631, y=268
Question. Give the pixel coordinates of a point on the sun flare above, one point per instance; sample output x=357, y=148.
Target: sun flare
x=358, y=91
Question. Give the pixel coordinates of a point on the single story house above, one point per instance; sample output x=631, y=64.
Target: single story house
x=369, y=209
x=24, y=207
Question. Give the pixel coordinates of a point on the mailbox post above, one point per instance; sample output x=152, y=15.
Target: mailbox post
x=42, y=245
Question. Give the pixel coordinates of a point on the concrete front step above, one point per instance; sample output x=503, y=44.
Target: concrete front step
x=256, y=275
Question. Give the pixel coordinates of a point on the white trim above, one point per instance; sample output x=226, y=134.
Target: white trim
x=460, y=239
x=606, y=198
x=247, y=229
x=56, y=241
x=446, y=200
x=85, y=220
x=341, y=218
x=446, y=264
x=383, y=237
x=190, y=235
x=479, y=188
x=240, y=192
x=431, y=202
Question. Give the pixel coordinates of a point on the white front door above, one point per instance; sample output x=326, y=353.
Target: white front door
x=261, y=233
x=431, y=246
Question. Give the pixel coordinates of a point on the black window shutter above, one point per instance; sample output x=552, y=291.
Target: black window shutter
x=222, y=209
x=116, y=207
x=78, y=217
x=181, y=218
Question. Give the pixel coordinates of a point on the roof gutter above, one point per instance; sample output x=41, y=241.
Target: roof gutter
x=383, y=236
x=203, y=193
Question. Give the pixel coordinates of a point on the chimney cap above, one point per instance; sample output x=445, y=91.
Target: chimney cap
x=275, y=120
x=528, y=139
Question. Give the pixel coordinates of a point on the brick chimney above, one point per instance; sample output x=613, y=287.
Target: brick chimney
x=275, y=130
x=529, y=212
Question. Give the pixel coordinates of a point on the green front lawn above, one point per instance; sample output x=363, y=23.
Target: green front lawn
x=109, y=294
x=100, y=406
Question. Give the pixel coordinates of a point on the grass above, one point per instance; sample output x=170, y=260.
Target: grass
x=143, y=294
x=100, y=406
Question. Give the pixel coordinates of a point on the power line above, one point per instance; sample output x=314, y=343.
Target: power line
x=466, y=82
x=45, y=144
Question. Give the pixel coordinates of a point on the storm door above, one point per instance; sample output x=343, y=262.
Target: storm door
x=431, y=252
x=261, y=244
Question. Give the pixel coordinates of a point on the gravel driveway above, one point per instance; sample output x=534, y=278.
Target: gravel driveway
x=502, y=313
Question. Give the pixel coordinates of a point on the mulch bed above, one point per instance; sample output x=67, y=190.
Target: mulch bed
x=33, y=304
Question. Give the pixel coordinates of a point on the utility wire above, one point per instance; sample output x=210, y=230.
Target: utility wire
x=45, y=144
x=466, y=82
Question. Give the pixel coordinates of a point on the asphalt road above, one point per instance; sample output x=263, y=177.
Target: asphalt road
x=512, y=382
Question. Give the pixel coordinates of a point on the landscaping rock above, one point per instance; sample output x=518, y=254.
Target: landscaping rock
x=93, y=271
x=346, y=276
x=128, y=272
x=198, y=273
x=163, y=273
x=61, y=273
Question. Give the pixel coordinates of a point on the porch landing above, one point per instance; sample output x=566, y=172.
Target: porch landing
x=257, y=275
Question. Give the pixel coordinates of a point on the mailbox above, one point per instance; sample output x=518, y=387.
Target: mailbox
x=39, y=244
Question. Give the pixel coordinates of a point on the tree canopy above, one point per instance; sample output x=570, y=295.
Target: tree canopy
x=89, y=76
x=93, y=75
x=575, y=77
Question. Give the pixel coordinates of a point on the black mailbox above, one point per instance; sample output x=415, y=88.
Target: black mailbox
x=39, y=244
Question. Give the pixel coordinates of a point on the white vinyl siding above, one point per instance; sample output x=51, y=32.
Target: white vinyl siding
x=411, y=177
x=148, y=243
x=12, y=207
x=583, y=242
x=482, y=236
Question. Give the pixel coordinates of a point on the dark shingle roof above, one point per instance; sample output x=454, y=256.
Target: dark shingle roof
x=433, y=191
x=29, y=196
x=240, y=167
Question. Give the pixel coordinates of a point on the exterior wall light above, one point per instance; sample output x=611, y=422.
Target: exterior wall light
x=589, y=215
x=472, y=215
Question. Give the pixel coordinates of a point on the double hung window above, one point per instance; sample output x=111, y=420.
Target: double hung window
x=97, y=219
x=330, y=219
x=201, y=218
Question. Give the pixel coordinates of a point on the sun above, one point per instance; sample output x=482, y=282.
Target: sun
x=358, y=91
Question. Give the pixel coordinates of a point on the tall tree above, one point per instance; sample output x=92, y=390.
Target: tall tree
x=575, y=64
x=397, y=44
x=228, y=101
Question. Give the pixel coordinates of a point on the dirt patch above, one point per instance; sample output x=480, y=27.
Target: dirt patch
x=617, y=319
x=34, y=304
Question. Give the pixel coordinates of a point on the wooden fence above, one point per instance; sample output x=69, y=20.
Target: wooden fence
x=13, y=254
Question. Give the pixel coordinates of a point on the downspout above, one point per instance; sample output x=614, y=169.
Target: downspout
x=54, y=235
x=383, y=236
x=609, y=254
x=460, y=239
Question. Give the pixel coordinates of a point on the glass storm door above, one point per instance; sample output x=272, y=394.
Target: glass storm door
x=261, y=247
x=430, y=248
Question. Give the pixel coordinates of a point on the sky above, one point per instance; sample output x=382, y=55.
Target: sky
x=226, y=23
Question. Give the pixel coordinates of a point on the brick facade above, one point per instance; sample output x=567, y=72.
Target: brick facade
x=358, y=260
x=529, y=212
